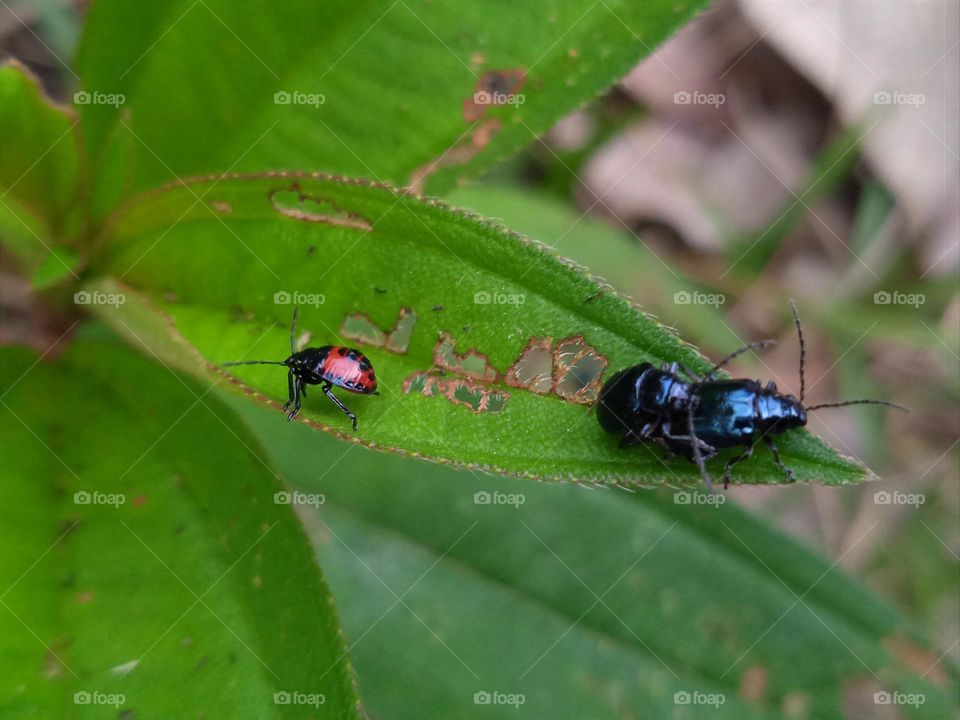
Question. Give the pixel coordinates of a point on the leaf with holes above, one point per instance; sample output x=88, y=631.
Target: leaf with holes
x=149, y=566
x=488, y=349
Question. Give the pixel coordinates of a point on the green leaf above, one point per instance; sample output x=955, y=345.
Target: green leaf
x=39, y=168
x=144, y=561
x=396, y=80
x=208, y=270
x=503, y=597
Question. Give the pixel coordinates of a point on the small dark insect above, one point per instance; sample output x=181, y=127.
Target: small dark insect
x=438, y=308
x=591, y=298
x=311, y=250
x=324, y=366
x=379, y=290
x=696, y=418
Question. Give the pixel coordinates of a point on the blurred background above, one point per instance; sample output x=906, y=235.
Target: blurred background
x=770, y=150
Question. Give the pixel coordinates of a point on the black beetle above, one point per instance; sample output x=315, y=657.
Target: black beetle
x=696, y=418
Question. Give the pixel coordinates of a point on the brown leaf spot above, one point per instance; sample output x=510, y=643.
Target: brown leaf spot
x=292, y=202
x=473, y=364
x=493, y=88
x=84, y=597
x=922, y=662
x=222, y=207
x=753, y=682
x=459, y=154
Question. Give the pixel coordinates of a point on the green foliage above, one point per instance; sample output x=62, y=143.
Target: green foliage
x=589, y=603
x=393, y=80
x=144, y=555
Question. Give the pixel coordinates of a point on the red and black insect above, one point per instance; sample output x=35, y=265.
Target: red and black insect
x=324, y=366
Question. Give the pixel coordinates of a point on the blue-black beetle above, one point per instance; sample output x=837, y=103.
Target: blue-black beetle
x=699, y=416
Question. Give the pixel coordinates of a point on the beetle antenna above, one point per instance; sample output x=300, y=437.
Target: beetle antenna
x=293, y=332
x=858, y=402
x=803, y=349
x=254, y=362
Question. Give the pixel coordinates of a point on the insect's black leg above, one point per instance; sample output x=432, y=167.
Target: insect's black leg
x=290, y=391
x=296, y=399
x=695, y=444
x=779, y=463
x=333, y=398
x=736, y=353
x=745, y=455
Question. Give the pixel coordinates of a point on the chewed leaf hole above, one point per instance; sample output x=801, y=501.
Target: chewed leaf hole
x=457, y=390
x=293, y=203
x=359, y=327
x=577, y=370
x=473, y=364
x=533, y=370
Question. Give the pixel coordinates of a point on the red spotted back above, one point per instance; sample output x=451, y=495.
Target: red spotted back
x=348, y=368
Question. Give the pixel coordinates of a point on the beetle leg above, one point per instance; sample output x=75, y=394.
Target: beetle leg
x=745, y=455
x=297, y=386
x=779, y=463
x=696, y=449
x=290, y=391
x=333, y=398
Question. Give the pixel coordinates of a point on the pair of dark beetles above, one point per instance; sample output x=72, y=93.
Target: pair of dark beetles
x=690, y=415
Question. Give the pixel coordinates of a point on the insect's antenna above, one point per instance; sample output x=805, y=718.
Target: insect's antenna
x=254, y=362
x=803, y=349
x=293, y=332
x=858, y=402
